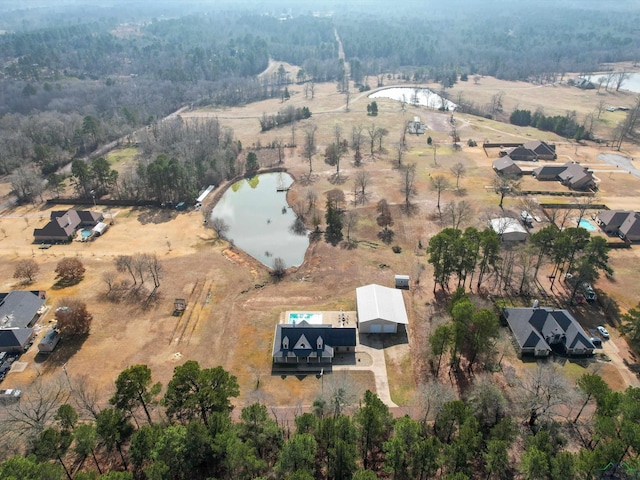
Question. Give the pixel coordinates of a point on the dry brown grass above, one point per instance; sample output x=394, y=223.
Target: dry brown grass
x=235, y=329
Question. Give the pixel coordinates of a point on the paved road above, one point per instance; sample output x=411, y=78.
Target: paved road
x=611, y=349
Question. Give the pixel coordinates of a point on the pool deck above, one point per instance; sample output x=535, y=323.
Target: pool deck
x=332, y=318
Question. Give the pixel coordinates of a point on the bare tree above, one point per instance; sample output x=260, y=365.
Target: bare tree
x=620, y=78
x=542, y=392
x=458, y=170
x=310, y=146
x=311, y=197
x=439, y=184
x=279, y=268
x=431, y=397
x=37, y=407
x=86, y=396
x=380, y=134
x=408, y=186
x=600, y=106
x=279, y=145
x=401, y=148
x=26, y=270
x=505, y=185
x=456, y=214
x=220, y=227
x=526, y=261
x=372, y=130
x=350, y=221
x=361, y=182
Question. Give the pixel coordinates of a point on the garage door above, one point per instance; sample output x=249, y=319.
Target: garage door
x=375, y=328
x=389, y=328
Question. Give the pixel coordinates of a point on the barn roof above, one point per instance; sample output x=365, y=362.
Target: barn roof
x=376, y=302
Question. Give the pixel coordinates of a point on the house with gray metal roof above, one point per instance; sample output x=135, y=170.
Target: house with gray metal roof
x=630, y=228
x=541, y=331
x=304, y=343
x=542, y=150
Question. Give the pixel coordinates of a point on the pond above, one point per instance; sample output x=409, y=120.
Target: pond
x=260, y=219
x=415, y=96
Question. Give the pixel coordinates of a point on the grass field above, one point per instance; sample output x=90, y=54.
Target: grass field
x=233, y=321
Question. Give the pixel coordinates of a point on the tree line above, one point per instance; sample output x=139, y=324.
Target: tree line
x=187, y=432
x=564, y=125
x=473, y=253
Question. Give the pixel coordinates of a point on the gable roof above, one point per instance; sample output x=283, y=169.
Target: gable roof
x=539, y=328
x=18, y=308
x=613, y=218
x=506, y=164
x=549, y=170
x=504, y=225
x=522, y=151
x=540, y=148
x=575, y=175
x=375, y=302
x=303, y=339
x=64, y=223
x=631, y=225
x=15, y=338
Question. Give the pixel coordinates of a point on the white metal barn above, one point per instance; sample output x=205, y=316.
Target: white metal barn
x=380, y=309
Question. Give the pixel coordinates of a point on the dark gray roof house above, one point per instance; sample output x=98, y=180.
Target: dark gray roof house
x=15, y=340
x=64, y=223
x=624, y=223
x=630, y=229
x=577, y=177
x=19, y=310
x=542, y=330
x=521, y=154
x=506, y=166
x=611, y=220
x=543, y=150
x=306, y=343
x=548, y=172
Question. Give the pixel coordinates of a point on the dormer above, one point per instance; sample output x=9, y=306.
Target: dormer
x=319, y=343
x=285, y=343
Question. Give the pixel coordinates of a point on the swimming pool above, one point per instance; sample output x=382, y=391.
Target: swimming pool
x=86, y=233
x=587, y=225
x=313, y=318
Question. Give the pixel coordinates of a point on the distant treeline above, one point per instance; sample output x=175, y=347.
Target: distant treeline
x=566, y=126
x=283, y=117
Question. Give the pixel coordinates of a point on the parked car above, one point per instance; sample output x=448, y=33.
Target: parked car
x=589, y=293
x=10, y=395
x=596, y=342
x=526, y=218
x=603, y=331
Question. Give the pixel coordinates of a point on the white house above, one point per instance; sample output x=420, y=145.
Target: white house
x=380, y=309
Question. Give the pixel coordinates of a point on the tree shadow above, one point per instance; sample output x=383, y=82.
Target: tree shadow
x=60, y=284
x=308, y=179
x=349, y=245
x=337, y=179
x=410, y=209
x=68, y=346
x=461, y=192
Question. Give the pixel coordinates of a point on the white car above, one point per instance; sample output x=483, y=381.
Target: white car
x=526, y=217
x=603, y=331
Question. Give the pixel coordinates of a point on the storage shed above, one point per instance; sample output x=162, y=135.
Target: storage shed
x=508, y=229
x=402, y=281
x=49, y=342
x=380, y=309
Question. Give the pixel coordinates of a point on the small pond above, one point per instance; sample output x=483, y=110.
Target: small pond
x=415, y=96
x=260, y=220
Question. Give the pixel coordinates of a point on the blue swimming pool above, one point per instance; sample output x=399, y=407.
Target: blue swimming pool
x=86, y=233
x=587, y=225
x=312, y=318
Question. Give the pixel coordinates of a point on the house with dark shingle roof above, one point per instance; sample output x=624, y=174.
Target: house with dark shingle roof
x=311, y=344
x=542, y=150
x=541, y=331
x=63, y=224
x=548, y=172
x=577, y=177
x=506, y=166
x=19, y=310
x=520, y=153
x=630, y=229
x=571, y=174
x=623, y=223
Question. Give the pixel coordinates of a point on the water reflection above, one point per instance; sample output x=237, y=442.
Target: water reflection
x=260, y=221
